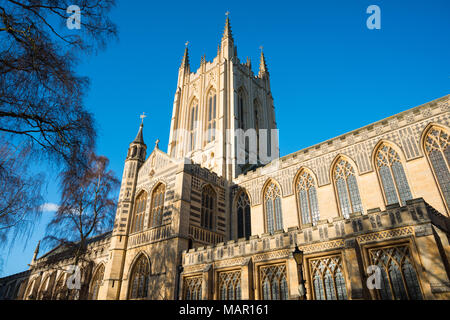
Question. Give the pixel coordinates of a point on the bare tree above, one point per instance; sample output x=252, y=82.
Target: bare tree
x=87, y=209
x=20, y=193
x=41, y=97
x=42, y=116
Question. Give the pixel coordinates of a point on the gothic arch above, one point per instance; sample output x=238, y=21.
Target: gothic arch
x=192, y=124
x=211, y=90
x=239, y=191
x=427, y=129
x=261, y=114
x=140, y=268
x=265, y=185
x=393, y=145
x=96, y=282
x=347, y=158
x=348, y=198
x=440, y=180
x=154, y=189
x=299, y=171
x=209, y=203
x=273, y=214
x=307, y=201
x=242, y=114
x=402, y=160
x=59, y=286
x=45, y=287
x=32, y=289
x=242, y=211
x=139, y=217
x=136, y=258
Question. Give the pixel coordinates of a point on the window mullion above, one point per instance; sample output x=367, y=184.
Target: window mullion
x=397, y=190
x=349, y=196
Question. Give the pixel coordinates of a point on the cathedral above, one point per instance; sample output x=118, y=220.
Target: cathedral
x=221, y=216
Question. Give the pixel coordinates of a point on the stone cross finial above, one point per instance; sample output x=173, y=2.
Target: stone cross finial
x=157, y=144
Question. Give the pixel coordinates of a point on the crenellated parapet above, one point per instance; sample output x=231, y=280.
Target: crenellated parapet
x=413, y=219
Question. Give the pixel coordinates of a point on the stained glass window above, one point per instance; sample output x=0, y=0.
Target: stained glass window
x=392, y=175
x=139, y=212
x=193, y=288
x=157, y=205
x=307, y=198
x=436, y=148
x=272, y=199
x=139, y=278
x=328, y=278
x=346, y=188
x=208, y=207
x=273, y=282
x=243, y=215
x=399, y=277
x=230, y=285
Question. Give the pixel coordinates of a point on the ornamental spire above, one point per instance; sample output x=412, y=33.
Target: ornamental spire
x=262, y=65
x=140, y=136
x=227, y=31
x=185, y=61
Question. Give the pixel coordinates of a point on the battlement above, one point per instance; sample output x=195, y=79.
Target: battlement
x=334, y=233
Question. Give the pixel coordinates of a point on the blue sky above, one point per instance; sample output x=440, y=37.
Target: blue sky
x=330, y=74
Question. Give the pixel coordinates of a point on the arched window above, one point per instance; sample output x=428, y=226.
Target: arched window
x=272, y=200
x=230, y=285
x=212, y=114
x=193, y=288
x=436, y=148
x=139, y=212
x=156, y=212
x=328, y=278
x=256, y=124
x=392, y=175
x=243, y=216
x=96, y=283
x=44, y=293
x=307, y=198
x=193, y=126
x=273, y=282
x=31, y=290
x=241, y=108
x=346, y=188
x=139, y=278
x=208, y=207
x=398, y=275
x=60, y=292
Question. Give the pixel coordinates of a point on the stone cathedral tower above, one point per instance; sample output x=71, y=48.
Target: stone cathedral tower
x=221, y=97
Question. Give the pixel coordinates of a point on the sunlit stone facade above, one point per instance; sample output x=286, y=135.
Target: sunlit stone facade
x=194, y=223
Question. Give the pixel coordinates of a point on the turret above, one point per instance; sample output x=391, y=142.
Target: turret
x=124, y=222
x=138, y=149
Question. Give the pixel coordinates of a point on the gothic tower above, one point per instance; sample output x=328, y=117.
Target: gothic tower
x=212, y=104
